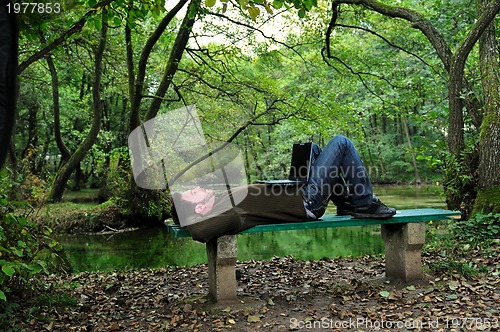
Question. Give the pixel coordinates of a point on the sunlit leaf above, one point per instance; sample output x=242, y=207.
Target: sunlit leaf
x=254, y=12
x=277, y=4
x=36, y=268
x=268, y=8
x=98, y=24
x=8, y=270
x=210, y=3
x=117, y=20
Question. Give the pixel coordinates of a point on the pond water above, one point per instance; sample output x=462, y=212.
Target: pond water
x=154, y=248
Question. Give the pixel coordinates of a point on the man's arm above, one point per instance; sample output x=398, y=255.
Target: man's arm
x=229, y=222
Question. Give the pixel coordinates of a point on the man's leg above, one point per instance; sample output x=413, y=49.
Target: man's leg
x=339, y=168
x=338, y=159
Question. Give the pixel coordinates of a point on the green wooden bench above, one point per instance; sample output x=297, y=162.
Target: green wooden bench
x=403, y=235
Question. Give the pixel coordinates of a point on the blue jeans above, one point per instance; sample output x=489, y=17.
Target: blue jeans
x=337, y=175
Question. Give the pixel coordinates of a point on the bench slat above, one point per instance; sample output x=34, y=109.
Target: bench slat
x=331, y=220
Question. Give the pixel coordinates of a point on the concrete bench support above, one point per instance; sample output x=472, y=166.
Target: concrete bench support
x=221, y=253
x=403, y=251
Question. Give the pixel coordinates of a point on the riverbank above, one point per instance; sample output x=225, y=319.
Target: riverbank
x=282, y=294
x=78, y=218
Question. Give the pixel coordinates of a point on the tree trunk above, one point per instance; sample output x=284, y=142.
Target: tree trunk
x=32, y=142
x=65, y=171
x=410, y=147
x=129, y=50
x=138, y=90
x=488, y=198
x=65, y=154
x=175, y=57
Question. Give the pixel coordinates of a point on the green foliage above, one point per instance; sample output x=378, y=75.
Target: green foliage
x=114, y=167
x=129, y=12
x=460, y=179
x=466, y=269
x=460, y=236
x=477, y=230
x=137, y=206
x=8, y=316
x=253, y=6
x=56, y=299
x=455, y=242
x=144, y=206
x=27, y=250
x=24, y=185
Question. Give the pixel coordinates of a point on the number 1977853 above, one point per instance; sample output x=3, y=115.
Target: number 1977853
x=33, y=7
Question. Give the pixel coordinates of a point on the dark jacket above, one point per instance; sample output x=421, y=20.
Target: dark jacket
x=263, y=204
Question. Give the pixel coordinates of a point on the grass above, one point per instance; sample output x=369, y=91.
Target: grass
x=84, y=195
x=73, y=202
x=451, y=266
x=56, y=300
x=79, y=212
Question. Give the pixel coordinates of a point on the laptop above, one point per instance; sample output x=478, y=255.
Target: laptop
x=300, y=166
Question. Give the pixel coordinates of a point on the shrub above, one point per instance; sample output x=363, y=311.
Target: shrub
x=144, y=206
x=115, y=173
x=461, y=239
x=26, y=251
x=478, y=229
x=460, y=179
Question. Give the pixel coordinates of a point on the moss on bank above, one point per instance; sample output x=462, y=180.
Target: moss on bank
x=71, y=218
x=487, y=200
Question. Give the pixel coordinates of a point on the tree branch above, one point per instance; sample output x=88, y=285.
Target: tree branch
x=143, y=60
x=175, y=56
x=417, y=21
x=223, y=145
x=76, y=27
x=249, y=27
x=389, y=43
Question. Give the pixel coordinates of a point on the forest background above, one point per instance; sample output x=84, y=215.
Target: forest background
x=415, y=84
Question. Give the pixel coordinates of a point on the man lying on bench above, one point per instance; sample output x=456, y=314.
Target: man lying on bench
x=337, y=175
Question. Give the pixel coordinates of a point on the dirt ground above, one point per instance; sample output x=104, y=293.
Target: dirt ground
x=282, y=294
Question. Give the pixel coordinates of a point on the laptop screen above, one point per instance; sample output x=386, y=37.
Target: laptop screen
x=301, y=160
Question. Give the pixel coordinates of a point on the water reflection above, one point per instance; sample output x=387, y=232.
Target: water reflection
x=154, y=248
x=311, y=244
x=143, y=248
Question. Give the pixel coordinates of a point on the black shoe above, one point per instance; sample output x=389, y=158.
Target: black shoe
x=376, y=210
x=344, y=209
